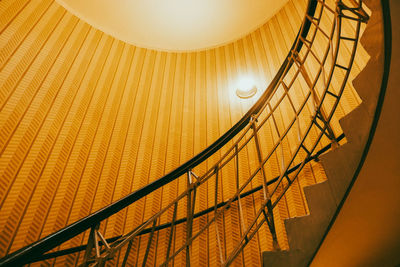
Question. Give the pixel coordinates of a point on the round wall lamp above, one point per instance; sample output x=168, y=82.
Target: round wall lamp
x=246, y=88
x=246, y=94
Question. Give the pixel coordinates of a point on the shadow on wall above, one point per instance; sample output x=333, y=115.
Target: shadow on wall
x=366, y=231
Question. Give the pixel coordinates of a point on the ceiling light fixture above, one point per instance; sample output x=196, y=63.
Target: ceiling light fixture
x=246, y=87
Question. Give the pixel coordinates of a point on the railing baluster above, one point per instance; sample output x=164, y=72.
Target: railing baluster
x=171, y=232
x=316, y=103
x=282, y=164
x=322, y=2
x=128, y=250
x=311, y=51
x=267, y=195
x=215, y=215
x=89, y=247
x=189, y=215
x=318, y=27
x=294, y=109
x=149, y=243
x=259, y=157
x=269, y=217
x=93, y=242
x=307, y=79
x=241, y=217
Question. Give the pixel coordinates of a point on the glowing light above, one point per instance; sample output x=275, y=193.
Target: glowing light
x=246, y=87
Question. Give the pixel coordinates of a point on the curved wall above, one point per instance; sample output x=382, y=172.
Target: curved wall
x=85, y=119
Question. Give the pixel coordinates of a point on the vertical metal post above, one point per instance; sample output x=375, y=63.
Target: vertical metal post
x=294, y=110
x=316, y=100
x=93, y=242
x=89, y=246
x=215, y=216
x=241, y=217
x=102, y=260
x=189, y=216
x=282, y=164
x=269, y=217
x=128, y=250
x=259, y=156
x=149, y=243
x=171, y=232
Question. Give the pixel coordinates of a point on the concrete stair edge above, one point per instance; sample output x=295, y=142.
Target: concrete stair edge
x=306, y=232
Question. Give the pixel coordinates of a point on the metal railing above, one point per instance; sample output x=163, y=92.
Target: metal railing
x=320, y=96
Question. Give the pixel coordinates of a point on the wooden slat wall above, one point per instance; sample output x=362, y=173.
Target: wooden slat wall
x=85, y=119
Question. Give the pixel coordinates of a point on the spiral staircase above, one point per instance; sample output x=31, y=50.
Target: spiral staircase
x=320, y=60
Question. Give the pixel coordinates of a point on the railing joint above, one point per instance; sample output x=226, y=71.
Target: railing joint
x=361, y=14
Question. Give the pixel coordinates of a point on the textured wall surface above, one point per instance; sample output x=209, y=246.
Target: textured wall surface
x=86, y=119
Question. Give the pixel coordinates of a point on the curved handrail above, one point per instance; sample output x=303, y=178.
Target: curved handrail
x=51, y=241
x=321, y=115
x=183, y=220
x=245, y=125
x=249, y=129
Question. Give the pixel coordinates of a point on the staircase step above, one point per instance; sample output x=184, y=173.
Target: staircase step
x=305, y=233
x=347, y=156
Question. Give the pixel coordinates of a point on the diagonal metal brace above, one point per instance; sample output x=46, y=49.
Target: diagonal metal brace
x=95, y=237
x=269, y=218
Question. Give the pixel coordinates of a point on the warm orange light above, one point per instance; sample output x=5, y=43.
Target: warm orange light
x=246, y=87
x=175, y=25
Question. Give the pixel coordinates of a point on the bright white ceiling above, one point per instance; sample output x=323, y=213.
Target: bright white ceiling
x=175, y=25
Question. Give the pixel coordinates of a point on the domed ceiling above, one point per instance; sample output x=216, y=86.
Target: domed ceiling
x=175, y=25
